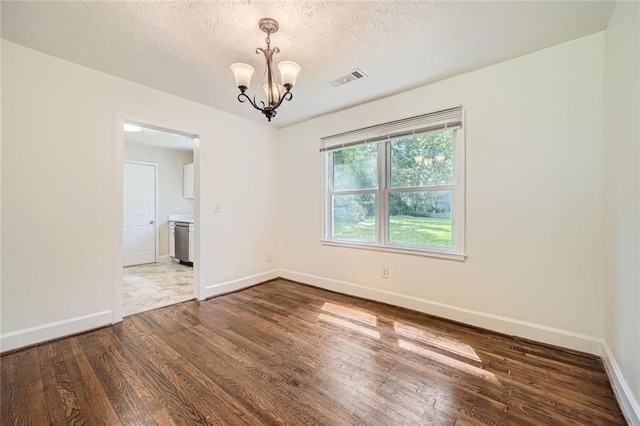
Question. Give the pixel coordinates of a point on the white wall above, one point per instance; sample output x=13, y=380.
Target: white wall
x=60, y=203
x=535, y=221
x=1, y=173
x=171, y=183
x=534, y=201
x=622, y=195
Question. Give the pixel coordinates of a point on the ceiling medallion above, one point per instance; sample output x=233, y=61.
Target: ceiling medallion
x=274, y=91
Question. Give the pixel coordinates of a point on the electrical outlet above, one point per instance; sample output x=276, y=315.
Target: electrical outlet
x=385, y=272
x=269, y=257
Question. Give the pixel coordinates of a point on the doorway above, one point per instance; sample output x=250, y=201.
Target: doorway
x=158, y=188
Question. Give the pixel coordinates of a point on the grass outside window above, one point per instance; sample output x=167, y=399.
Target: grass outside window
x=408, y=230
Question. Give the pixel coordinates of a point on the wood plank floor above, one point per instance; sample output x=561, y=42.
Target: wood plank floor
x=284, y=353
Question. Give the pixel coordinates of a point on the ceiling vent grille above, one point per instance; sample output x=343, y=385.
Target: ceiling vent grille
x=352, y=76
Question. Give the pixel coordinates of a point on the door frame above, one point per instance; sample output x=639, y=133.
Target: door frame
x=156, y=184
x=119, y=118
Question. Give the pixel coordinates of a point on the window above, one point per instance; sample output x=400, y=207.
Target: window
x=398, y=186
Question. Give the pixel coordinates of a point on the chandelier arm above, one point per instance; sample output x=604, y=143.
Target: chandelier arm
x=242, y=97
x=287, y=95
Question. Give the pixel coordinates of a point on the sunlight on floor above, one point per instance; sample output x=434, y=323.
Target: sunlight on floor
x=448, y=361
x=349, y=325
x=462, y=356
x=350, y=313
x=440, y=342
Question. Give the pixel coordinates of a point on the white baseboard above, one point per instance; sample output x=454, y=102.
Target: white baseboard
x=239, y=284
x=42, y=333
x=164, y=258
x=510, y=326
x=629, y=406
x=53, y=330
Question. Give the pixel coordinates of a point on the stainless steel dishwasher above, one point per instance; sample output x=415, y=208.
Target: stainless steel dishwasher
x=182, y=243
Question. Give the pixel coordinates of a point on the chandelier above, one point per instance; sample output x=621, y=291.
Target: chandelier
x=275, y=93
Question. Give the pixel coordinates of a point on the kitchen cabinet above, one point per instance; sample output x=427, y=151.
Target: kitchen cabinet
x=188, y=181
x=172, y=239
x=191, y=242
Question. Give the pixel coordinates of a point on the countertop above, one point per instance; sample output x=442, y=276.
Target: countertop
x=188, y=218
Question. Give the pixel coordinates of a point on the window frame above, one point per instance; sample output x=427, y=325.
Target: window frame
x=330, y=192
x=382, y=196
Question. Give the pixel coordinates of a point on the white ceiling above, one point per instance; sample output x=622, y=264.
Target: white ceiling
x=159, y=139
x=185, y=48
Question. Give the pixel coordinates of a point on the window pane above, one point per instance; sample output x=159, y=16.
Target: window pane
x=355, y=168
x=422, y=160
x=354, y=217
x=420, y=218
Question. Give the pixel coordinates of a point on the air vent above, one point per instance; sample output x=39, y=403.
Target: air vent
x=352, y=76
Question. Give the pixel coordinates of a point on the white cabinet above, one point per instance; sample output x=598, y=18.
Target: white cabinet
x=172, y=239
x=188, y=181
x=191, y=242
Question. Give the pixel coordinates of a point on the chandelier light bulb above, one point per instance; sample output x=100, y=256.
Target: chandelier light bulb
x=288, y=72
x=274, y=96
x=242, y=73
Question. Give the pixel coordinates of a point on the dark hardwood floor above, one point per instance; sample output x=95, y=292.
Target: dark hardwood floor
x=282, y=352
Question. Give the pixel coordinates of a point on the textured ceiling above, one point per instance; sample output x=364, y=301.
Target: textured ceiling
x=185, y=48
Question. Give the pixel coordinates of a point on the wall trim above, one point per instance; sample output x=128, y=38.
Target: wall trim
x=54, y=330
x=164, y=258
x=239, y=284
x=629, y=406
x=59, y=329
x=509, y=326
x=119, y=117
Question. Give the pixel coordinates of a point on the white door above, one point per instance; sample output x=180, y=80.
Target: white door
x=139, y=229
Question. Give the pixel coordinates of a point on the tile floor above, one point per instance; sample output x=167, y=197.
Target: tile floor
x=155, y=285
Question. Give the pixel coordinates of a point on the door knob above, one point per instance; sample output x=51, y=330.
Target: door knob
x=151, y=222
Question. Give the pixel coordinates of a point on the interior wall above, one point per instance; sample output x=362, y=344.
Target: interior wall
x=622, y=193
x=59, y=196
x=1, y=222
x=534, y=200
x=171, y=164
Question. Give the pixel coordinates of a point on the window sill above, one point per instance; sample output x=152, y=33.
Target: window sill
x=399, y=250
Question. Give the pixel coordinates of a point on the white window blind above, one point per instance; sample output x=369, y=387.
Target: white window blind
x=439, y=120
